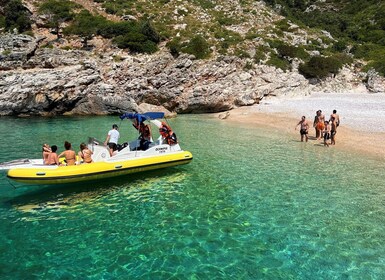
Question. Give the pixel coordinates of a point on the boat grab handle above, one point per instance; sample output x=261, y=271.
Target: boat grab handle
x=118, y=166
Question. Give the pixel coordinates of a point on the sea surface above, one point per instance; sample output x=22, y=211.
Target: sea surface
x=254, y=203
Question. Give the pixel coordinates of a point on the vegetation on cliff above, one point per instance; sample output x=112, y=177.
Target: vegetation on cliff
x=358, y=25
x=247, y=29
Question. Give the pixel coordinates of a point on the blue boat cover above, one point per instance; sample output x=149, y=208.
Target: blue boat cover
x=142, y=117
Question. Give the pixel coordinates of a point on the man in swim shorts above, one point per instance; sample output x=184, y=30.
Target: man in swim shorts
x=304, y=128
x=112, y=139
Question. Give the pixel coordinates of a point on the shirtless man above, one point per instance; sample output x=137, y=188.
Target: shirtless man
x=304, y=128
x=336, y=116
x=333, y=131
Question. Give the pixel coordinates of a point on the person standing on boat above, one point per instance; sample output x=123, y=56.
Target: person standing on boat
x=304, y=128
x=145, y=134
x=167, y=134
x=112, y=139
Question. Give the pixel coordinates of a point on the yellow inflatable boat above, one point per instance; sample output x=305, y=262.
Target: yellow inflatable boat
x=130, y=159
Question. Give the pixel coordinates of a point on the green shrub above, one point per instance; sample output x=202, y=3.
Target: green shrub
x=174, y=47
x=111, y=8
x=148, y=30
x=16, y=16
x=227, y=37
x=6, y=52
x=198, y=47
x=343, y=58
x=85, y=25
x=66, y=48
x=320, y=67
x=261, y=53
x=135, y=42
x=2, y=22
x=248, y=66
x=205, y=4
x=282, y=25
x=378, y=65
x=368, y=51
x=278, y=62
x=339, y=46
x=241, y=53
x=114, y=29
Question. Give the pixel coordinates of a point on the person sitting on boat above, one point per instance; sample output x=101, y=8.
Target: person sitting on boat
x=46, y=152
x=52, y=158
x=85, y=154
x=167, y=134
x=112, y=139
x=69, y=155
x=145, y=134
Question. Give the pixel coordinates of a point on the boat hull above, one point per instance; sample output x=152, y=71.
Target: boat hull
x=97, y=170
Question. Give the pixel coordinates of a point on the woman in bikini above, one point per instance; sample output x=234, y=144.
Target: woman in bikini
x=46, y=151
x=70, y=155
x=52, y=158
x=85, y=154
x=319, y=124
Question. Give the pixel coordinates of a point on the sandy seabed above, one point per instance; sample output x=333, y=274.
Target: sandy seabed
x=362, y=116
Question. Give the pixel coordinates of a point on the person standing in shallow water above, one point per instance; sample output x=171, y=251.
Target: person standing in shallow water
x=304, y=128
x=318, y=124
x=333, y=131
x=326, y=133
x=336, y=116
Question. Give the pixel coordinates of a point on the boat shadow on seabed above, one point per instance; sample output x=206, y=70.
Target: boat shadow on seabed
x=34, y=197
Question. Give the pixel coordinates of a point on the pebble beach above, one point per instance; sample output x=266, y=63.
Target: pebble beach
x=362, y=118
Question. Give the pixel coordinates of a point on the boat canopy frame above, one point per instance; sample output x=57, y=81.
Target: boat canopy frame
x=142, y=117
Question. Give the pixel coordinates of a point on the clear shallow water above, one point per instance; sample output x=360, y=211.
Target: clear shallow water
x=253, y=204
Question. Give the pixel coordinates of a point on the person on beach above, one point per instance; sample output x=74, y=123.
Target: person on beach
x=69, y=155
x=336, y=116
x=85, y=154
x=52, y=158
x=112, y=139
x=333, y=131
x=326, y=133
x=318, y=124
x=304, y=128
x=46, y=152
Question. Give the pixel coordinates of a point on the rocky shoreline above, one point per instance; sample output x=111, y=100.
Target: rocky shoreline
x=40, y=81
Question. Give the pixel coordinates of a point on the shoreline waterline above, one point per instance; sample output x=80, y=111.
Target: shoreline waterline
x=352, y=136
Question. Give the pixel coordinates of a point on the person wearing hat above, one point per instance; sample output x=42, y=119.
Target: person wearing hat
x=112, y=139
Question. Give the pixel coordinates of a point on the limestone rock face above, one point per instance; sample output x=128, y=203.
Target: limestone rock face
x=52, y=81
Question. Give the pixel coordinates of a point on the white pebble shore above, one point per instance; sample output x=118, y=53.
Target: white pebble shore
x=360, y=111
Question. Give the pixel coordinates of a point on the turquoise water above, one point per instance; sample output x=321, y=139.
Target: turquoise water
x=253, y=204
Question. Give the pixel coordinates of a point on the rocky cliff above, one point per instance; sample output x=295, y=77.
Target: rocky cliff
x=53, y=81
